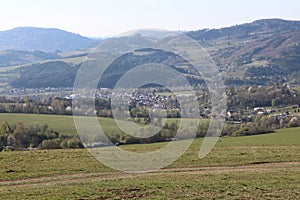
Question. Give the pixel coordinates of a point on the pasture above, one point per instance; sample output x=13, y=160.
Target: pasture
x=65, y=123
x=253, y=167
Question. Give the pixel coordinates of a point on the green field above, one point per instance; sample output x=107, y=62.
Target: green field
x=65, y=124
x=253, y=167
x=62, y=123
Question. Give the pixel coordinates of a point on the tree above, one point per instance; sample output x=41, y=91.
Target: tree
x=274, y=103
x=11, y=140
x=74, y=143
x=50, y=144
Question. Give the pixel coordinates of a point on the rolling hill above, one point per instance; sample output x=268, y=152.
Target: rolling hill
x=16, y=57
x=255, y=53
x=259, y=53
x=50, y=74
x=42, y=39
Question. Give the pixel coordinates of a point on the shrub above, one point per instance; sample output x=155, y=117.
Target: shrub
x=74, y=143
x=50, y=144
x=241, y=132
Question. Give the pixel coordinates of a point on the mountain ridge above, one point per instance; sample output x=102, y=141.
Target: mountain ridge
x=265, y=51
x=42, y=39
x=261, y=26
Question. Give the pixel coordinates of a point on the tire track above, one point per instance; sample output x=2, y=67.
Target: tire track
x=64, y=179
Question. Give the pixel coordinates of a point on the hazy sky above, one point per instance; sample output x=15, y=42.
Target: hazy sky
x=112, y=17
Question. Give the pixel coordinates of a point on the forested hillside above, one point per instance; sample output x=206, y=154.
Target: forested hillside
x=264, y=52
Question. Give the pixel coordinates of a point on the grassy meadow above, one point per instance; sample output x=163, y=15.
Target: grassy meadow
x=251, y=167
x=65, y=124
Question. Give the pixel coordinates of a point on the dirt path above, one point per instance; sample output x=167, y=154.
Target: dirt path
x=250, y=167
x=87, y=177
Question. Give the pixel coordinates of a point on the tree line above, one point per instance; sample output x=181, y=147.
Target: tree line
x=268, y=96
x=18, y=137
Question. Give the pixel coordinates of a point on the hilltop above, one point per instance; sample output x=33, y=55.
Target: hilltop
x=42, y=39
x=262, y=52
x=255, y=53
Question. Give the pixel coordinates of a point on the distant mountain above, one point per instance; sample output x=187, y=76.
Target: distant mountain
x=150, y=33
x=126, y=43
x=42, y=39
x=259, y=53
x=259, y=28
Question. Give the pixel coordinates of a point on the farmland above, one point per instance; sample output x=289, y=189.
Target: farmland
x=251, y=167
x=165, y=88
x=65, y=124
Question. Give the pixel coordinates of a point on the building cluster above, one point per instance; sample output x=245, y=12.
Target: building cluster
x=154, y=101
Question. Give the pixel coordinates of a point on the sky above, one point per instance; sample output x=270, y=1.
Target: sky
x=102, y=18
